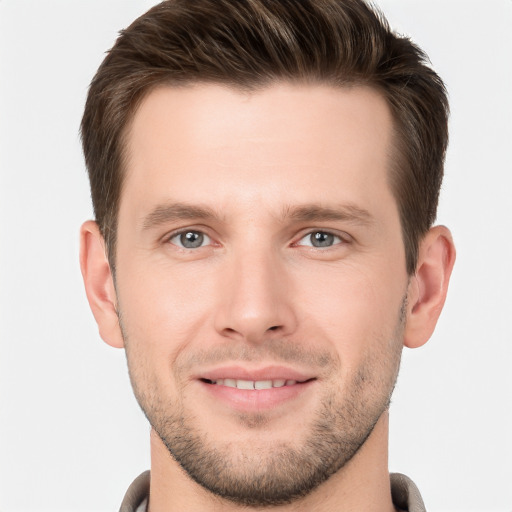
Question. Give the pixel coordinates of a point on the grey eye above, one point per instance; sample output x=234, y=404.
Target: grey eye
x=320, y=239
x=190, y=239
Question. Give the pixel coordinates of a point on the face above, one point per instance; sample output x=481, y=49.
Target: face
x=261, y=280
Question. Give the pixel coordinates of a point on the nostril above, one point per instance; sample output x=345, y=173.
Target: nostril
x=273, y=328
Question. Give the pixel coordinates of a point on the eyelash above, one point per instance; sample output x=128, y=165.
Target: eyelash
x=341, y=239
x=200, y=232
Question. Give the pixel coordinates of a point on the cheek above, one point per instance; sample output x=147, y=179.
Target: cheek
x=163, y=308
x=353, y=308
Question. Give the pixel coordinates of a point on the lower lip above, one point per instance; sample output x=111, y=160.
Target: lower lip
x=246, y=400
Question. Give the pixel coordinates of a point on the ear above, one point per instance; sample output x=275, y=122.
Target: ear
x=99, y=283
x=428, y=287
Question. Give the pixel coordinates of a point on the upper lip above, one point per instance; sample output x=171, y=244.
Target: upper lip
x=257, y=374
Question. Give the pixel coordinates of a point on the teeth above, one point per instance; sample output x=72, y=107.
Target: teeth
x=251, y=384
x=245, y=384
x=263, y=384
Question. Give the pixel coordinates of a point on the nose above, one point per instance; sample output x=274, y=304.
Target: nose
x=256, y=299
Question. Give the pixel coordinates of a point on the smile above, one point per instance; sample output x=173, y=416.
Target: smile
x=252, y=390
x=257, y=394
x=252, y=384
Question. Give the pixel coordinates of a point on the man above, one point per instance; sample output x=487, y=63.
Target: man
x=265, y=177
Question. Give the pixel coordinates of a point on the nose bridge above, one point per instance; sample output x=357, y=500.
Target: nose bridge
x=255, y=300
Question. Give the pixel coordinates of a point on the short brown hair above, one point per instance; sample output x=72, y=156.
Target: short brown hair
x=249, y=44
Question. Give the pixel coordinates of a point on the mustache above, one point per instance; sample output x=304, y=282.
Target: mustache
x=276, y=351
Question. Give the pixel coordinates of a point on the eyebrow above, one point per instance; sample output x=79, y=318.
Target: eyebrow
x=315, y=213
x=165, y=213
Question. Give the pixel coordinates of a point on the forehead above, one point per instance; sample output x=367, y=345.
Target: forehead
x=295, y=141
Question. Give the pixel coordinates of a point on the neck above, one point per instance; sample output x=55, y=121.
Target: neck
x=362, y=485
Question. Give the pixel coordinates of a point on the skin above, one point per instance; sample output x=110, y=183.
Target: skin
x=256, y=175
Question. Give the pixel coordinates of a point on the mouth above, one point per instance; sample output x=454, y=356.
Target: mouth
x=247, y=390
x=254, y=385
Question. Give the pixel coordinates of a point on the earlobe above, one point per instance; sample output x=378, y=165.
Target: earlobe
x=428, y=287
x=99, y=284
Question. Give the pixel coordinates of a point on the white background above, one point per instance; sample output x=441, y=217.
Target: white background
x=72, y=437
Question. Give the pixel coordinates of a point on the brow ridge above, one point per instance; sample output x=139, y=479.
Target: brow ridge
x=176, y=211
x=164, y=213
x=315, y=212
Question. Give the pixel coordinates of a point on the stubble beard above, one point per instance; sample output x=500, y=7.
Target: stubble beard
x=281, y=473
